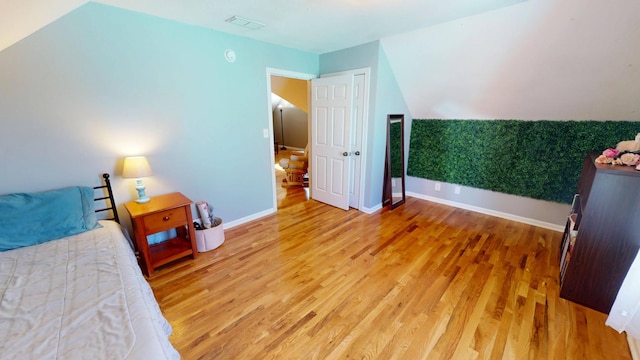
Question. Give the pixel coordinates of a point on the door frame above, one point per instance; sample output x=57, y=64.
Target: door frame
x=288, y=74
x=365, y=125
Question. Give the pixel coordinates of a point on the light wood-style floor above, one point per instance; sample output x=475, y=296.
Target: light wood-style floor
x=423, y=281
x=287, y=195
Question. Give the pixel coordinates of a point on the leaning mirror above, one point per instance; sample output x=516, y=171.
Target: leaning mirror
x=393, y=192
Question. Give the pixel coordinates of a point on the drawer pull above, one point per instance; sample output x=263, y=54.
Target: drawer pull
x=166, y=218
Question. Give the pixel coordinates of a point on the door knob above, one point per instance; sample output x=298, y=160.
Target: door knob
x=345, y=154
x=357, y=153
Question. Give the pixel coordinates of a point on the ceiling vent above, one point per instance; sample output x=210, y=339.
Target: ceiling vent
x=240, y=21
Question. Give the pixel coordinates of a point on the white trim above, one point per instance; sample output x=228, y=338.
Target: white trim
x=634, y=346
x=485, y=211
x=371, y=210
x=247, y=219
x=289, y=74
x=283, y=73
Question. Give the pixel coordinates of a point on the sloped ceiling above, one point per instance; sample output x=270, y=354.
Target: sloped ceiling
x=314, y=26
x=292, y=90
x=21, y=18
x=539, y=60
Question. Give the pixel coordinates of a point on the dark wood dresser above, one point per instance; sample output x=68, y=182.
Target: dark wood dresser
x=602, y=235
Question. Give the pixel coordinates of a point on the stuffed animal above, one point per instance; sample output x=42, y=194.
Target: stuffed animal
x=629, y=145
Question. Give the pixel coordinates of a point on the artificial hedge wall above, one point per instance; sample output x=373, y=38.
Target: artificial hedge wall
x=536, y=159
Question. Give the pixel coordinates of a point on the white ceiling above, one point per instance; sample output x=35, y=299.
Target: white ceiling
x=310, y=25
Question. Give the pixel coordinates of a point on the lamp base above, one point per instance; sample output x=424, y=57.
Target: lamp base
x=142, y=196
x=143, y=200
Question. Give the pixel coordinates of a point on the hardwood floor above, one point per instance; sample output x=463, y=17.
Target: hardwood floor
x=423, y=281
x=287, y=195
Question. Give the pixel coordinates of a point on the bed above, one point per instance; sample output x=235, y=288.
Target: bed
x=70, y=285
x=625, y=312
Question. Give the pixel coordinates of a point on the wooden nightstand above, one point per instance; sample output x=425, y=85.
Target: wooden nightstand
x=162, y=213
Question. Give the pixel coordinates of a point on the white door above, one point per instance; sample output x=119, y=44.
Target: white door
x=330, y=139
x=356, y=145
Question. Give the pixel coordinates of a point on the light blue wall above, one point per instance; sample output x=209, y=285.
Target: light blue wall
x=103, y=83
x=384, y=98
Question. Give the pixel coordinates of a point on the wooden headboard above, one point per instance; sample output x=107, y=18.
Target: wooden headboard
x=110, y=205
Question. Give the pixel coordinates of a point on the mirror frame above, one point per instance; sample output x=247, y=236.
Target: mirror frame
x=387, y=192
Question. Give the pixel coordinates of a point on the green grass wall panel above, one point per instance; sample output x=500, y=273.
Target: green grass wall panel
x=536, y=159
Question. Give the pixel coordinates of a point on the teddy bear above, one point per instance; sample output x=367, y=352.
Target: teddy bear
x=629, y=145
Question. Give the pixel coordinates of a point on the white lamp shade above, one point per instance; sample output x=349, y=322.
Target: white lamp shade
x=136, y=167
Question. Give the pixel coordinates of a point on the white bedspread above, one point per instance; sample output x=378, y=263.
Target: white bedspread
x=625, y=312
x=81, y=297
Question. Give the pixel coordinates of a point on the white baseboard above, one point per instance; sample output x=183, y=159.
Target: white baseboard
x=243, y=220
x=293, y=148
x=371, y=210
x=246, y=219
x=634, y=346
x=499, y=214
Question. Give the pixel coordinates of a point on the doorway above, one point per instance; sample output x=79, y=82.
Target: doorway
x=283, y=196
x=357, y=139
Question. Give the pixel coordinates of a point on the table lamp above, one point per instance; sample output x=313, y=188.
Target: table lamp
x=137, y=167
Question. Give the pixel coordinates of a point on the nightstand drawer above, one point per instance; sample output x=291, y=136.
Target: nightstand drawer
x=165, y=220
